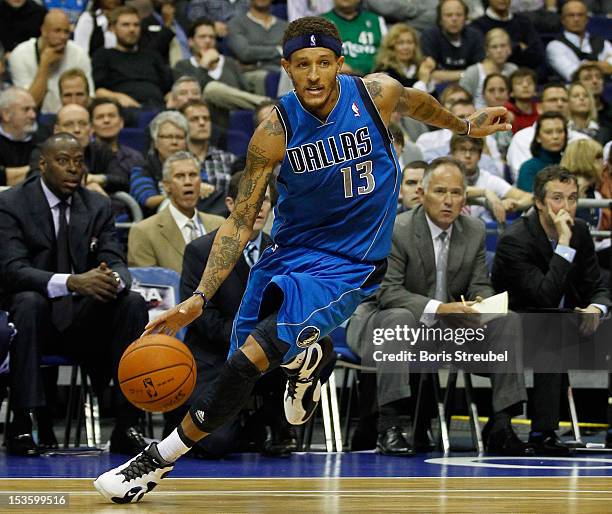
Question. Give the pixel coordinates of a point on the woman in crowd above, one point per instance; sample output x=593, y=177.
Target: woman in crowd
x=496, y=92
x=169, y=131
x=497, y=51
x=400, y=57
x=548, y=143
x=582, y=111
x=92, y=31
x=584, y=158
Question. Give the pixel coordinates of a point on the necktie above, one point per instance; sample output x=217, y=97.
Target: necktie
x=251, y=249
x=193, y=230
x=441, y=265
x=61, y=311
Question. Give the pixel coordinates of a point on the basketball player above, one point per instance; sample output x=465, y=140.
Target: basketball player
x=338, y=186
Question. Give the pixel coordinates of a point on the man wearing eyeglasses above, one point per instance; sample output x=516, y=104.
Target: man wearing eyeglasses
x=546, y=261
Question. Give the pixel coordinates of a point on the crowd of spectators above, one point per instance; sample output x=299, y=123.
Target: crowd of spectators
x=153, y=97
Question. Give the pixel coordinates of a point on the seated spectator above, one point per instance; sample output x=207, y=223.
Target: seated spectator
x=430, y=243
x=65, y=281
x=184, y=89
x=419, y=14
x=496, y=92
x=162, y=32
x=37, y=64
x=299, y=9
x=582, y=111
x=400, y=57
x=220, y=77
x=592, y=77
x=92, y=29
x=255, y=39
x=106, y=123
x=451, y=44
x=219, y=12
x=209, y=336
x=361, y=32
x=216, y=163
x=584, y=159
x=501, y=198
x=526, y=45
x=542, y=13
x=437, y=143
x=546, y=260
x=20, y=20
x=103, y=173
x=412, y=183
x=17, y=134
x=454, y=93
x=160, y=240
x=73, y=89
x=549, y=141
x=135, y=77
x=168, y=132
x=497, y=51
x=523, y=104
x=554, y=99
x=575, y=46
x=605, y=190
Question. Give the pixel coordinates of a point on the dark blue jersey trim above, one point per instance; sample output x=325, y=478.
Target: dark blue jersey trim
x=374, y=114
x=284, y=117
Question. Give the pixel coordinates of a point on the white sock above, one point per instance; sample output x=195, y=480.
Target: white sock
x=172, y=447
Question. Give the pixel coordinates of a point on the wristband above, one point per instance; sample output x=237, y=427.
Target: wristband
x=468, y=128
x=202, y=295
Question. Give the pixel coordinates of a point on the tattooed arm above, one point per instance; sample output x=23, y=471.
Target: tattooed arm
x=389, y=96
x=266, y=149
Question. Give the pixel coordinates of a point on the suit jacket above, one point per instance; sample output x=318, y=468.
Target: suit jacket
x=535, y=277
x=157, y=241
x=410, y=281
x=212, y=331
x=28, y=252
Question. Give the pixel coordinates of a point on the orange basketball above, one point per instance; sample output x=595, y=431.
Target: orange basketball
x=157, y=373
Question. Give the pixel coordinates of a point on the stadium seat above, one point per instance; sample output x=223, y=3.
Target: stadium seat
x=600, y=26
x=145, y=117
x=237, y=142
x=279, y=10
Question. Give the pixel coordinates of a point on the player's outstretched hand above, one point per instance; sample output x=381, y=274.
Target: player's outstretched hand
x=171, y=321
x=488, y=121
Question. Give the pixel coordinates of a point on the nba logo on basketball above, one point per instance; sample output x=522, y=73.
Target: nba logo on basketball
x=355, y=110
x=149, y=387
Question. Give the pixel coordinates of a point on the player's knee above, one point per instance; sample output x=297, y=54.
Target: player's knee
x=265, y=334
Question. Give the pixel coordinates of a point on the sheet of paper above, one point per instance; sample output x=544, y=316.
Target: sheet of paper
x=492, y=307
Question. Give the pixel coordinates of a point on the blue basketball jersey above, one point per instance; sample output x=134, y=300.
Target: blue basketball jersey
x=339, y=181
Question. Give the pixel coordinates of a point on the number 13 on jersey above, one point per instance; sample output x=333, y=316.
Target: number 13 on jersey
x=364, y=169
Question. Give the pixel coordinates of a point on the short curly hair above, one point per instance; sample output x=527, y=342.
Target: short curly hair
x=311, y=25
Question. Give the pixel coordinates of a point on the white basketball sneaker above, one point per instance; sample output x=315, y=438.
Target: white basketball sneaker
x=130, y=481
x=303, y=390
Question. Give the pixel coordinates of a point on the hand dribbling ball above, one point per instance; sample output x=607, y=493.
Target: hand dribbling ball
x=157, y=373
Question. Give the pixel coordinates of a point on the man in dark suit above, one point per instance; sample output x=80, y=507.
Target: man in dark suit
x=546, y=261
x=437, y=258
x=65, y=282
x=209, y=336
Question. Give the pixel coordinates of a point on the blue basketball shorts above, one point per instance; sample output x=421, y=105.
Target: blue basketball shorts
x=313, y=292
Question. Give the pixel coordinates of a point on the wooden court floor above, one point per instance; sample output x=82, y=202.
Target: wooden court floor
x=573, y=494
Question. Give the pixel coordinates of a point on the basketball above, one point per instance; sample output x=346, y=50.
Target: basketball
x=157, y=373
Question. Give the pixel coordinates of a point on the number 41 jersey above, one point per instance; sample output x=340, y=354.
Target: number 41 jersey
x=339, y=181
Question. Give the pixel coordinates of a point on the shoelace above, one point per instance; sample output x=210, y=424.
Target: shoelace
x=293, y=382
x=141, y=465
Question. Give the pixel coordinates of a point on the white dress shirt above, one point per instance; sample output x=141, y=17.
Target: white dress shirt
x=182, y=222
x=563, y=59
x=429, y=314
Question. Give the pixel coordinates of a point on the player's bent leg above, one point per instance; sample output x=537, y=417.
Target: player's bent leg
x=303, y=390
x=227, y=396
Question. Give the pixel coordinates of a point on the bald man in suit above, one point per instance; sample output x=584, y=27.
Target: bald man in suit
x=161, y=239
